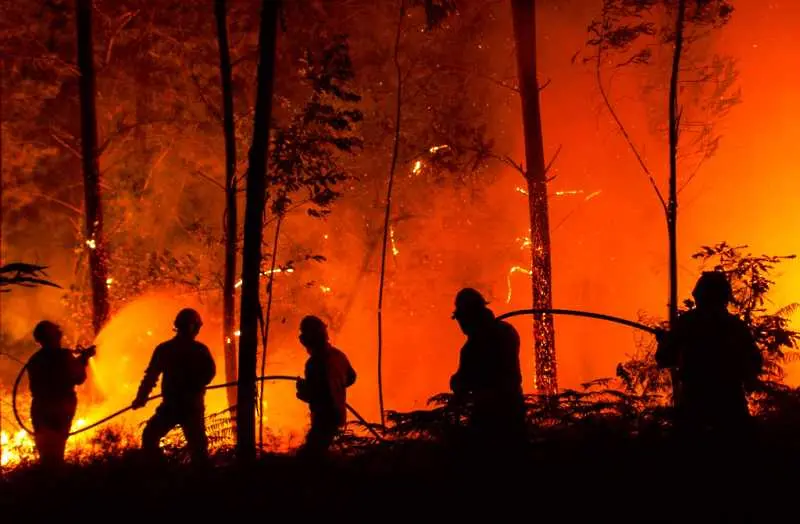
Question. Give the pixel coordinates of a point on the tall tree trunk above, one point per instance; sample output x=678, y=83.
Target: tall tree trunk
x=265, y=338
x=253, y=235
x=388, y=209
x=91, y=172
x=231, y=228
x=524, y=16
x=672, y=206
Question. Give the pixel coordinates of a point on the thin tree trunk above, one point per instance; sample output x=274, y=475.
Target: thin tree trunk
x=253, y=235
x=91, y=172
x=231, y=226
x=388, y=210
x=523, y=13
x=672, y=207
x=270, y=283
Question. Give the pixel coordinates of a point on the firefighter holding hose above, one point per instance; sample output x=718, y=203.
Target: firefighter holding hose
x=53, y=374
x=489, y=374
x=187, y=368
x=328, y=374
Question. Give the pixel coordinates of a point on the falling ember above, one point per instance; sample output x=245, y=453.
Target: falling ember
x=395, y=251
x=417, y=167
x=237, y=333
x=592, y=195
x=325, y=289
x=569, y=192
x=109, y=281
x=524, y=242
x=434, y=149
x=91, y=243
x=515, y=269
x=520, y=189
x=238, y=284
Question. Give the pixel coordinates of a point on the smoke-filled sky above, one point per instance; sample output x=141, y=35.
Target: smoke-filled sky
x=609, y=251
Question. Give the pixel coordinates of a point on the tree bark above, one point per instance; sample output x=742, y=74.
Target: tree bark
x=524, y=19
x=672, y=206
x=265, y=337
x=91, y=173
x=253, y=234
x=231, y=226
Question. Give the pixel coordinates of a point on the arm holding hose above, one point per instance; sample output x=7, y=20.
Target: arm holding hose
x=154, y=370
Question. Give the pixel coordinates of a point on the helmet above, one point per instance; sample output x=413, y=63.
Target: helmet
x=188, y=320
x=469, y=299
x=313, y=324
x=712, y=288
x=44, y=330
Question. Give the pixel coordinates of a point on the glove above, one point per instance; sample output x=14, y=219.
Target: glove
x=138, y=403
x=90, y=351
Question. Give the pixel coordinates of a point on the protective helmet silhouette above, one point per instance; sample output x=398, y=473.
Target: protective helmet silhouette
x=712, y=288
x=469, y=300
x=188, y=320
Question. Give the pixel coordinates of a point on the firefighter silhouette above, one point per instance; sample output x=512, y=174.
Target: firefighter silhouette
x=187, y=368
x=489, y=372
x=53, y=374
x=328, y=374
x=715, y=357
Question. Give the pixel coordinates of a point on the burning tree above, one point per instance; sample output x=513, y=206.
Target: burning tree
x=95, y=242
x=535, y=173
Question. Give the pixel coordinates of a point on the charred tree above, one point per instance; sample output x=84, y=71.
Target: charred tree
x=94, y=242
x=524, y=19
x=231, y=226
x=253, y=234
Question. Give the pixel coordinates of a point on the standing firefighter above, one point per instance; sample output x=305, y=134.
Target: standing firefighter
x=188, y=368
x=54, y=372
x=489, y=373
x=715, y=356
x=328, y=374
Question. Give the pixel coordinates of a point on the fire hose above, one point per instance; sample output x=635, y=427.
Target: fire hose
x=103, y=420
x=568, y=312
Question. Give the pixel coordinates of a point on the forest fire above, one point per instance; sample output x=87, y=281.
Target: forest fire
x=463, y=211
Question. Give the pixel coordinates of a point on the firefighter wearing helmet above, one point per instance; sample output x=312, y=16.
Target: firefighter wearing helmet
x=187, y=368
x=716, y=359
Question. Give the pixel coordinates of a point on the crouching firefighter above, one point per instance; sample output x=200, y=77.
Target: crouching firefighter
x=53, y=373
x=328, y=374
x=188, y=367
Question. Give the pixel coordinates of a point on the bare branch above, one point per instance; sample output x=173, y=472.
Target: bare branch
x=66, y=145
x=207, y=178
x=552, y=161
x=126, y=18
x=209, y=104
x=624, y=131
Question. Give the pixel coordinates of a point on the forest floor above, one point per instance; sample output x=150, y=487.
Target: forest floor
x=590, y=477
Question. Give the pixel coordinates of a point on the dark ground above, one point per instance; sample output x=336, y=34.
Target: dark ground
x=597, y=479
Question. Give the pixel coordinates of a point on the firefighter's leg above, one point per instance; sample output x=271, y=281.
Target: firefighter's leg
x=161, y=423
x=194, y=429
x=318, y=439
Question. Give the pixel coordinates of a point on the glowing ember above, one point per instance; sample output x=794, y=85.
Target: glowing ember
x=324, y=289
x=395, y=251
x=91, y=243
x=417, y=167
x=520, y=189
x=434, y=149
x=524, y=242
x=515, y=269
x=237, y=333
